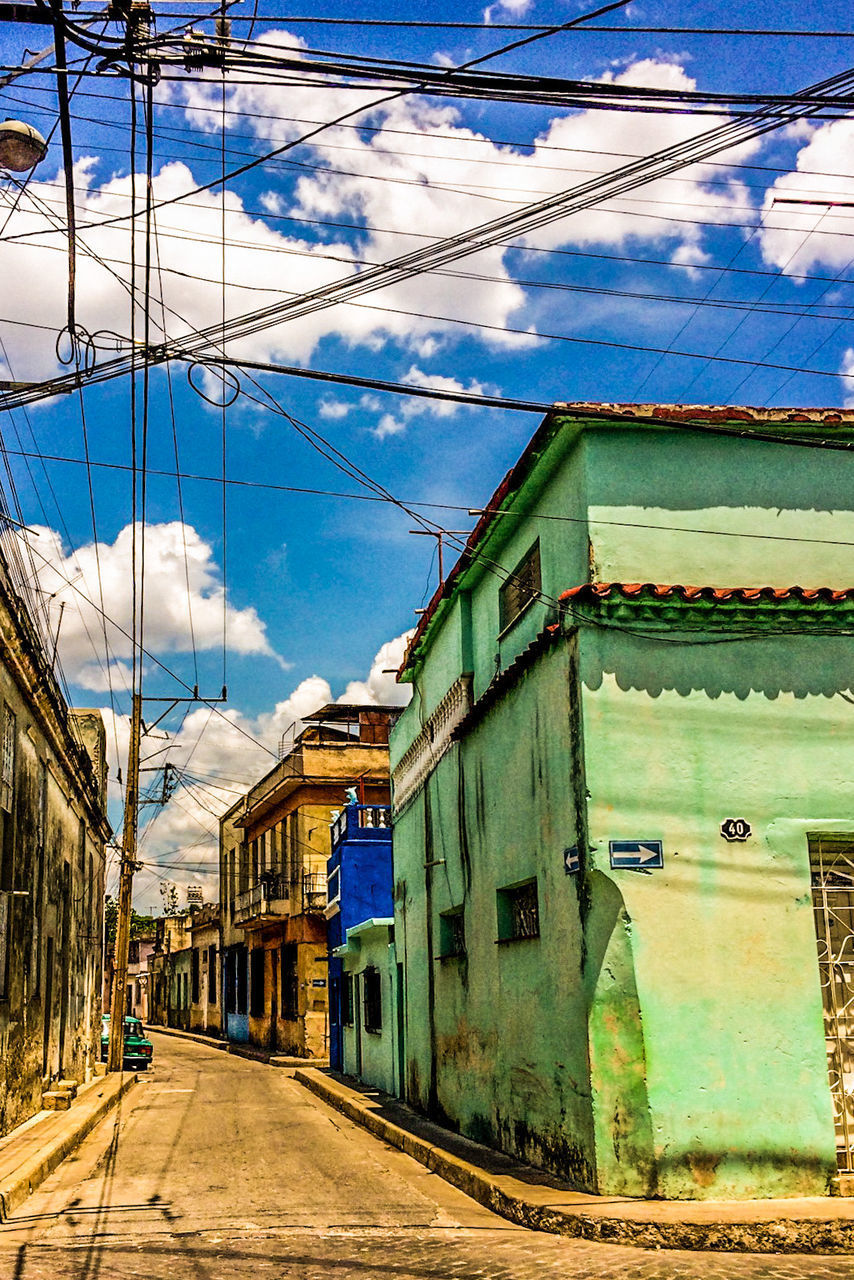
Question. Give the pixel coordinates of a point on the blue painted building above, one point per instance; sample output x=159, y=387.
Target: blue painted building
x=359, y=897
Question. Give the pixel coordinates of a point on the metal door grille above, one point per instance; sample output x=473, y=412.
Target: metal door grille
x=832, y=873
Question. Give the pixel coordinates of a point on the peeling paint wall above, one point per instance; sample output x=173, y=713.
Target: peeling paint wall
x=663, y=1034
x=52, y=835
x=718, y=948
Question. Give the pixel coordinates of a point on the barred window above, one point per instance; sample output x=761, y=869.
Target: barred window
x=7, y=759
x=373, y=1000
x=256, y=982
x=211, y=975
x=518, y=912
x=521, y=588
x=194, y=971
x=452, y=933
x=4, y=941
x=347, y=1005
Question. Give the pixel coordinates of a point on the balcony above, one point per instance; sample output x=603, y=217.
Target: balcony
x=361, y=822
x=268, y=901
x=314, y=890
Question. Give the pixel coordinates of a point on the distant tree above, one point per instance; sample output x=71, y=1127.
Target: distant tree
x=139, y=925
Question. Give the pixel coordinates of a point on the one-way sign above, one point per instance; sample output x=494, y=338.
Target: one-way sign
x=636, y=855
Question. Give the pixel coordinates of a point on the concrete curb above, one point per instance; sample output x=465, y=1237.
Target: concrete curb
x=198, y=1037
x=647, y=1224
x=18, y=1183
x=241, y=1051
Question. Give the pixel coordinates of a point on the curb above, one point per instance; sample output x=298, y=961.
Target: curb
x=198, y=1037
x=21, y=1182
x=241, y=1050
x=595, y=1223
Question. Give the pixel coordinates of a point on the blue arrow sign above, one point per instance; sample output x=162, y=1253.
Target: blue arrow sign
x=571, y=860
x=636, y=855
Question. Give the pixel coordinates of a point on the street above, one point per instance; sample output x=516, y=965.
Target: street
x=217, y=1166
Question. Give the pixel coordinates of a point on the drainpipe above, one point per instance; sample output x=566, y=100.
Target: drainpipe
x=433, y=1094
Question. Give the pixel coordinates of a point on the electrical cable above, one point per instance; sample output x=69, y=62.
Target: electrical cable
x=445, y=506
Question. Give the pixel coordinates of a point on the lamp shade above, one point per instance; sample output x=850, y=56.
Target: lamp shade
x=21, y=146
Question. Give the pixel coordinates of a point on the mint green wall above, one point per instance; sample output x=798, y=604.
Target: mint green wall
x=722, y=942
x=379, y=1054
x=664, y=1035
x=509, y=1036
x=696, y=481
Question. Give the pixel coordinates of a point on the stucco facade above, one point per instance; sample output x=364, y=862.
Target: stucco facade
x=53, y=831
x=363, y=976
x=205, y=971
x=274, y=846
x=657, y=1030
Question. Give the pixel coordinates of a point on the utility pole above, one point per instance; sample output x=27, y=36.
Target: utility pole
x=115, y=1055
x=439, y=535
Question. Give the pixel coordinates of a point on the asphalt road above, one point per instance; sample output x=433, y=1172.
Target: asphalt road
x=218, y=1167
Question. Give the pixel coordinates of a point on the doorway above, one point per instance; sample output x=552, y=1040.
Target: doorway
x=832, y=878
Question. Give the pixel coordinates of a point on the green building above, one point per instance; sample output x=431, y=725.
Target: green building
x=624, y=810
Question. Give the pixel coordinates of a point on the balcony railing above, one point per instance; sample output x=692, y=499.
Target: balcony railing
x=270, y=897
x=356, y=819
x=314, y=890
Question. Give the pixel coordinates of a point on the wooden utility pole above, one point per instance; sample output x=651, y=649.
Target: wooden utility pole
x=115, y=1056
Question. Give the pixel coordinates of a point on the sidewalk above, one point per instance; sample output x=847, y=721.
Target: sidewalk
x=240, y=1050
x=534, y=1199
x=31, y=1152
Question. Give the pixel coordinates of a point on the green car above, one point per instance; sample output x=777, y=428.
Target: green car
x=138, y=1050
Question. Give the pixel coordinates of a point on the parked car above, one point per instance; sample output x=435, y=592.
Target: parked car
x=138, y=1050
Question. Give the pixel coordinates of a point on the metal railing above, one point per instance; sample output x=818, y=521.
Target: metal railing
x=265, y=898
x=314, y=888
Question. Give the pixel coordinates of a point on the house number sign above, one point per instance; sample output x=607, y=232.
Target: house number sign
x=735, y=829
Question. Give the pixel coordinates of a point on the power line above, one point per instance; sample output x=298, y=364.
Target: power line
x=272, y=487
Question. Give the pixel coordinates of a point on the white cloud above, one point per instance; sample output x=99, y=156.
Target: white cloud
x=334, y=409
x=221, y=755
x=381, y=685
x=797, y=238
x=184, y=595
x=421, y=173
x=513, y=7
x=690, y=256
x=847, y=372
x=389, y=425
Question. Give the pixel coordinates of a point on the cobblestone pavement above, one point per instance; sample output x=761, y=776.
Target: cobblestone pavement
x=221, y=1169
x=352, y=1254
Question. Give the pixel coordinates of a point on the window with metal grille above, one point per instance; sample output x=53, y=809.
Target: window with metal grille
x=256, y=982
x=290, y=982
x=452, y=933
x=194, y=970
x=373, y=998
x=241, y=963
x=521, y=588
x=7, y=760
x=347, y=1006
x=4, y=942
x=518, y=912
x=832, y=875
x=211, y=975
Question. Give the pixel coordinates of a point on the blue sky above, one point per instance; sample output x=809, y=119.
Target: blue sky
x=316, y=585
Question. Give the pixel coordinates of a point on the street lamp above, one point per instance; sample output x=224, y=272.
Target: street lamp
x=21, y=146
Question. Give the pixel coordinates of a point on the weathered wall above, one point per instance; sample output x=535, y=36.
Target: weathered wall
x=693, y=525
x=496, y=1040
x=717, y=951
x=52, y=834
x=663, y=1035
x=374, y=1061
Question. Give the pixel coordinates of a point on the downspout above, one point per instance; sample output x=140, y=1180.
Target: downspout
x=433, y=1093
